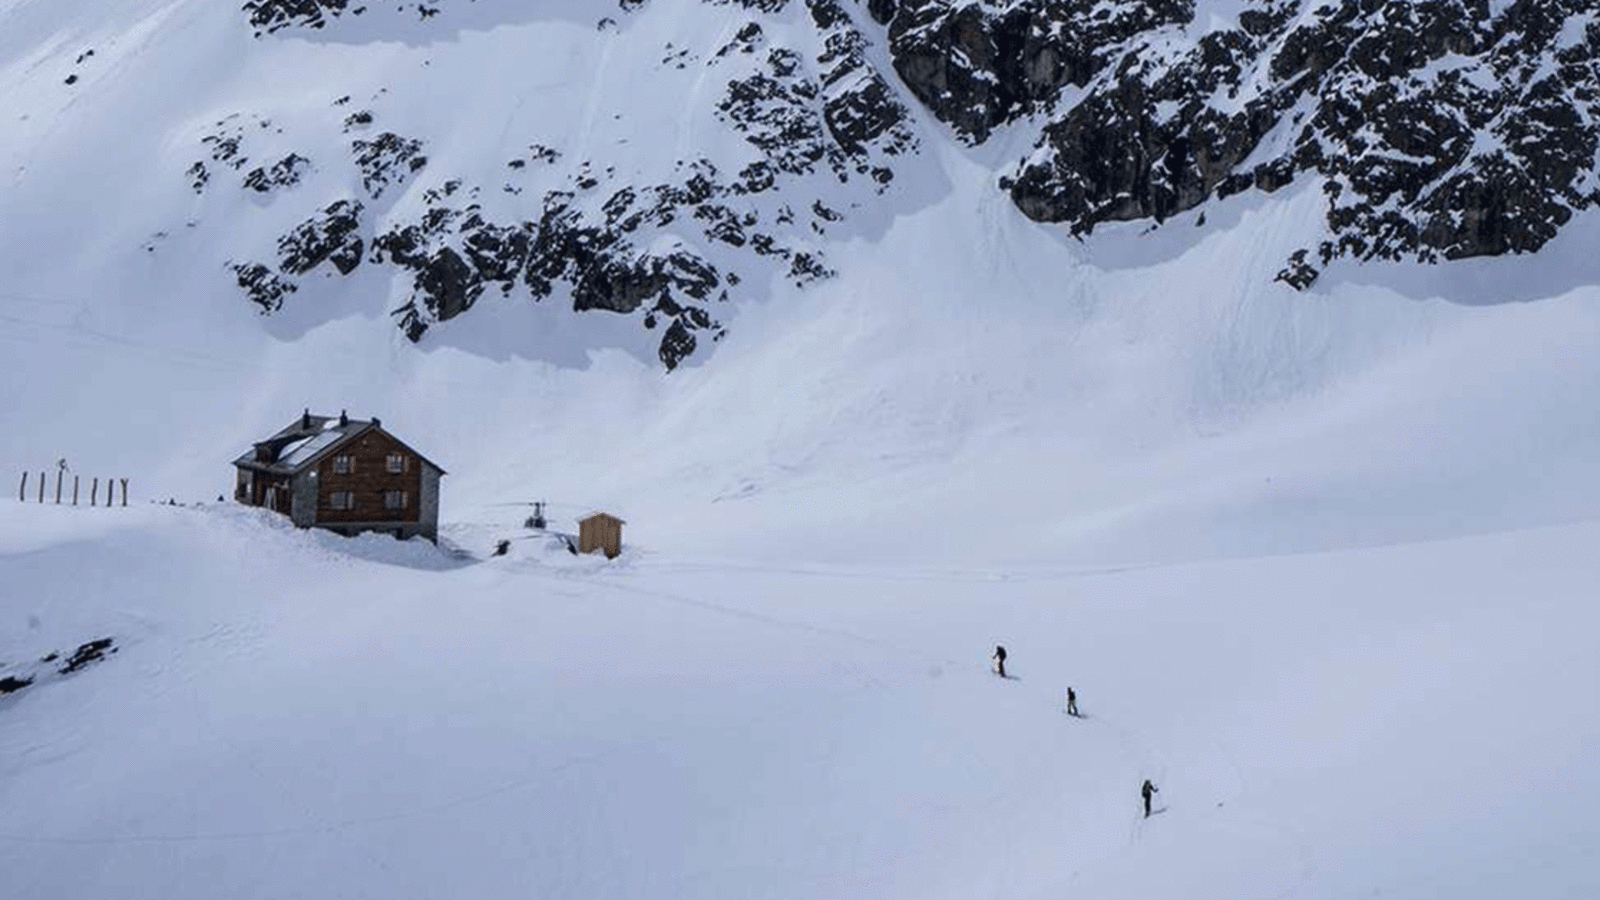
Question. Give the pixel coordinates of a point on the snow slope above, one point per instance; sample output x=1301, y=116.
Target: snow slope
x=1183, y=405
x=293, y=715
x=1318, y=563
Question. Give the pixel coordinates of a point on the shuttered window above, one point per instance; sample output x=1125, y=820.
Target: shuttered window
x=342, y=500
x=394, y=499
x=397, y=463
x=344, y=465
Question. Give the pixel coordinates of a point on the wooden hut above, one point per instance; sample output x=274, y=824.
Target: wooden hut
x=600, y=531
x=344, y=475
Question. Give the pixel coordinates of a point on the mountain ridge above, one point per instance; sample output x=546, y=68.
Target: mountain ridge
x=1436, y=131
x=1440, y=130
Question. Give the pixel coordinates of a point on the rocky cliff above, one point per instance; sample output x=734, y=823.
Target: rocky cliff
x=808, y=110
x=1436, y=129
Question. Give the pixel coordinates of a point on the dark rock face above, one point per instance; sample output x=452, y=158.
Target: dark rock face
x=1298, y=274
x=44, y=672
x=87, y=654
x=271, y=15
x=1438, y=128
x=386, y=160
x=455, y=253
x=848, y=120
x=331, y=236
x=226, y=145
x=284, y=173
x=264, y=287
x=977, y=68
x=766, y=6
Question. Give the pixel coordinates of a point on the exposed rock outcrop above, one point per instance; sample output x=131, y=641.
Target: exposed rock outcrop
x=1439, y=129
x=667, y=252
x=285, y=173
x=1435, y=130
x=272, y=15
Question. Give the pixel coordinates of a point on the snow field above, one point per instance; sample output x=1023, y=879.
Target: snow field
x=288, y=720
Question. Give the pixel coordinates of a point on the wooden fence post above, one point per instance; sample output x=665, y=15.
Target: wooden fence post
x=94, y=493
x=124, y=492
x=60, y=474
x=22, y=492
x=74, y=490
x=41, y=487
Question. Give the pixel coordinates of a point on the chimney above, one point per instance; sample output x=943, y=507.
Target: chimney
x=344, y=418
x=376, y=423
x=305, y=419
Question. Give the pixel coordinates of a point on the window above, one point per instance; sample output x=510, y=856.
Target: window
x=342, y=500
x=397, y=463
x=343, y=465
x=394, y=499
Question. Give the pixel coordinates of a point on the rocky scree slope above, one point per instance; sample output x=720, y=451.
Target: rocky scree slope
x=1438, y=129
x=819, y=131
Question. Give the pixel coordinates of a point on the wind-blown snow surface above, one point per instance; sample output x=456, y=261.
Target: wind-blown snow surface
x=1138, y=463
x=293, y=715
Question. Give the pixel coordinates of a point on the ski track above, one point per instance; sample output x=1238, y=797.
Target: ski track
x=1133, y=748
x=343, y=824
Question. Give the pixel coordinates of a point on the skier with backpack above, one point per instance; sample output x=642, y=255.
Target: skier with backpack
x=1147, y=791
x=1000, y=661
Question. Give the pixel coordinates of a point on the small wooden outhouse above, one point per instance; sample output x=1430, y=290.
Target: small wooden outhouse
x=600, y=531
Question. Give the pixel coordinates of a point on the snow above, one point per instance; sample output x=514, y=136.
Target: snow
x=1319, y=564
x=1317, y=724
x=1574, y=30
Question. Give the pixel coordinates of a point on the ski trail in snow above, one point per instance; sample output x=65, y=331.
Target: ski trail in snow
x=779, y=622
x=996, y=249
x=1291, y=834
x=585, y=132
x=1132, y=747
x=974, y=759
x=79, y=308
x=342, y=824
x=912, y=574
x=143, y=35
x=511, y=118
x=772, y=621
x=186, y=358
x=686, y=124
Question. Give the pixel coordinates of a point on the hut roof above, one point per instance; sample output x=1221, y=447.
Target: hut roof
x=307, y=439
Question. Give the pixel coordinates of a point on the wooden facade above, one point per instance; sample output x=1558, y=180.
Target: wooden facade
x=368, y=477
x=344, y=475
x=600, y=531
